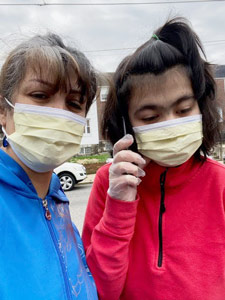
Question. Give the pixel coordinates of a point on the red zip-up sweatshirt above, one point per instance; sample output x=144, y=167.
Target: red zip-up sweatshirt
x=169, y=244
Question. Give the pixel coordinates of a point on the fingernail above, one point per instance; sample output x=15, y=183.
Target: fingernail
x=141, y=173
x=142, y=161
x=127, y=137
x=139, y=181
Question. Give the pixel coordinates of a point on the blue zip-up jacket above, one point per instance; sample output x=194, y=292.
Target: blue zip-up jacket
x=40, y=259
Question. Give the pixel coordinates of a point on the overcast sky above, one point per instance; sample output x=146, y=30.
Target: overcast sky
x=94, y=28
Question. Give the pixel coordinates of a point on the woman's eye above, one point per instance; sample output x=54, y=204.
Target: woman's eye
x=39, y=95
x=74, y=104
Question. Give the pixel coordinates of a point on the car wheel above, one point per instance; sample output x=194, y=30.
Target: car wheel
x=67, y=181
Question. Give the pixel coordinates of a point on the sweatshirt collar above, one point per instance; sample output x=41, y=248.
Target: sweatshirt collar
x=8, y=162
x=175, y=176
x=26, y=186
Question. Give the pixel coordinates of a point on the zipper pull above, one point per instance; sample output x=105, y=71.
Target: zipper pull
x=48, y=215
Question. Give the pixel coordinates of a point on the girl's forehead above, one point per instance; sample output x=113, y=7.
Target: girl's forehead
x=142, y=85
x=162, y=89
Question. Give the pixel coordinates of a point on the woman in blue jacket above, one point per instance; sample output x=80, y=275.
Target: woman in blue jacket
x=46, y=90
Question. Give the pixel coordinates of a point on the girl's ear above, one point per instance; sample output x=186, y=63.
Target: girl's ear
x=2, y=112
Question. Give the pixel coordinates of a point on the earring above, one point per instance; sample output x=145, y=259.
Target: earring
x=5, y=142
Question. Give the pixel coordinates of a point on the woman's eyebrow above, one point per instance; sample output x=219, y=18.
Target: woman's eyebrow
x=43, y=82
x=76, y=90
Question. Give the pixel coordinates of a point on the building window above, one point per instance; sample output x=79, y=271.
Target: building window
x=85, y=150
x=87, y=127
x=104, y=93
x=88, y=150
x=108, y=146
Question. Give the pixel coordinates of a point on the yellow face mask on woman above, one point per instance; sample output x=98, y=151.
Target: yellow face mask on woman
x=170, y=143
x=45, y=137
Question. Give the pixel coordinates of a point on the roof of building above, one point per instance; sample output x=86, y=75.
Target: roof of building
x=219, y=71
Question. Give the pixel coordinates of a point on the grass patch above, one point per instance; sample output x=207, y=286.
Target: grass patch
x=88, y=159
x=91, y=162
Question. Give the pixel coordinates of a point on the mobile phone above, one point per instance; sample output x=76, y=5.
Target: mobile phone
x=124, y=126
x=133, y=147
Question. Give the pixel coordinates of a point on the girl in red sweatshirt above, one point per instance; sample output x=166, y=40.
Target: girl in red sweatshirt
x=155, y=222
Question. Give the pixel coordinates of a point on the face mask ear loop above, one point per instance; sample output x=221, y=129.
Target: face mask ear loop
x=9, y=103
x=4, y=142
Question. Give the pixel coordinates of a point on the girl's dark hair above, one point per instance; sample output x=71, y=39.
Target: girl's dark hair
x=177, y=44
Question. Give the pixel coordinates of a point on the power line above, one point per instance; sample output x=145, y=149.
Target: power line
x=44, y=3
x=133, y=48
x=105, y=50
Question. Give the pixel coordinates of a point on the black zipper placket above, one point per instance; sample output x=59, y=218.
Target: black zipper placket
x=161, y=212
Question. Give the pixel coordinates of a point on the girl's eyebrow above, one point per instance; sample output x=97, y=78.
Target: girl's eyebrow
x=155, y=106
x=183, y=98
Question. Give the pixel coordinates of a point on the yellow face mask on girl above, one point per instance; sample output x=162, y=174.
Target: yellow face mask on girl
x=45, y=137
x=170, y=143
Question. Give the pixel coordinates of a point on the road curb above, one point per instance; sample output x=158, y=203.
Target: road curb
x=89, y=179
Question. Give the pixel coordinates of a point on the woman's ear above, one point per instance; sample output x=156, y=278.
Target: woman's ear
x=2, y=112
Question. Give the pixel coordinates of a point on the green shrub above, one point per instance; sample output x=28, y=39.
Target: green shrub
x=88, y=159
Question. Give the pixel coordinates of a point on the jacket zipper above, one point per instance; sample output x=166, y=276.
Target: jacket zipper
x=161, y=212
x=48, y=215
x=51, y=230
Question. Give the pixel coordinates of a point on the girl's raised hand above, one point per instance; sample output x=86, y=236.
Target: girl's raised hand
x=125, y=171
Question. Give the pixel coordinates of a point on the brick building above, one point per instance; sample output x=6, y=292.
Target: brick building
x=220, y=95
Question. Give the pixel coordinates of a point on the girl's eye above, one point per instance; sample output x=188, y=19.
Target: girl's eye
x=150, y=119
x=184, y=111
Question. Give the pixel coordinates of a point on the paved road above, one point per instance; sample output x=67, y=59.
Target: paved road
x=78, y=198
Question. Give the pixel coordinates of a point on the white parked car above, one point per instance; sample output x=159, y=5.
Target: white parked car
x=70, y=174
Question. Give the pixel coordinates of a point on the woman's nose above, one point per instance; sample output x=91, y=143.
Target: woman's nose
x=59, y=101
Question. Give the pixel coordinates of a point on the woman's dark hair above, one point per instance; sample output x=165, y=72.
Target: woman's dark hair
x=47, y=55
x=173, y=44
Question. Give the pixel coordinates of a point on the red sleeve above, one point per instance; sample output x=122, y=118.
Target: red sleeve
x=107, y=232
